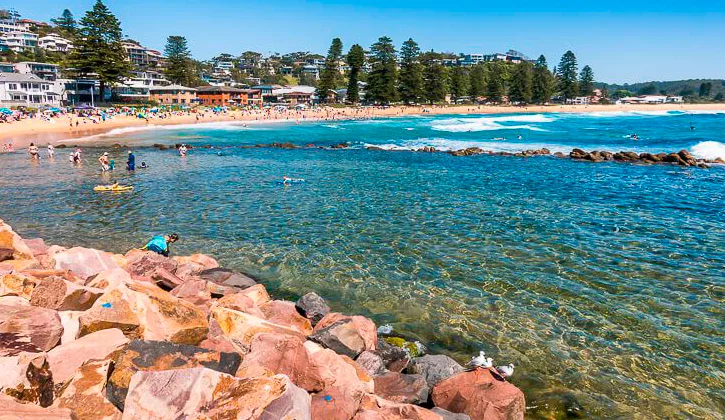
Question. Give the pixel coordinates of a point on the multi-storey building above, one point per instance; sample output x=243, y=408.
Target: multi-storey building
x=28, y=89
x=45, y=71
x=53, y=42
x=140, y=56
x=18, y=41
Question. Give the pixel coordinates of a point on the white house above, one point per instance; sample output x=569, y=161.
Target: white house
x=651, y=99
x=18, y=41
x=28, y=89
x=137, y=87
x=45, y=71
x=53, y=42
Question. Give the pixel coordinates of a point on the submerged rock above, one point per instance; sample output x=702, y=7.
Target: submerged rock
x=313, y=307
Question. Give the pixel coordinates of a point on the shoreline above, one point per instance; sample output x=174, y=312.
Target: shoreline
x=22, y=133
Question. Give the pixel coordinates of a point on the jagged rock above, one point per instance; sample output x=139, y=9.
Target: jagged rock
x=84, y=262
x=371, y=362
x=65, y=359
x=447, y=415
x=205, y=393
x=395, y=358
x=649, y=157
x=434, y=368
x=226, y=277
x=17, y=284
x=402, y=388
x=480, y=395
x=9, y=240
x=109, y=278
x=143, y=265
x=142, y=355
x=578, y=154
x=27, y=377
x=348, y=335
x=27, y=328
x=242, y=302
x=85, y=394
x=10, y=409
x=194, y=292
x=165, y=279
x=242, y=327
x=144, y=310
x=313, y=307
x=284, y=313
x=375, y=408
x=62, y=295
x=204, y=261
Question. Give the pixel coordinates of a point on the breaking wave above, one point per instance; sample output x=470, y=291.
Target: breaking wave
x=709, y=150
x=448, y=145
x=460, y=125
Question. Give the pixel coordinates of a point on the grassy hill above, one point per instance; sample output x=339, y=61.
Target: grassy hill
x=688, y=88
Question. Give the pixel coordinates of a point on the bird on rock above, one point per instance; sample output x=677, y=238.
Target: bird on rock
x=505, y=371
x=478, y=361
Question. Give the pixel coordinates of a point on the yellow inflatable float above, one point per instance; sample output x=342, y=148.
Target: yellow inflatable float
x=113, y=188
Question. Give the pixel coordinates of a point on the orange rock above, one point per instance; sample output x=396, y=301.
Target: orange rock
x=17, y=284
x=65, y=359
x=85, y=395
x=242, y=327
x=348, y=335
x=62, y=295
x=284, y=313
x=10, y=409
x=27, y=377
x=376, y=408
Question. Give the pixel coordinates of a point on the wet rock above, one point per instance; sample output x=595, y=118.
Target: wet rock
x=371, y=362
x=242, y=302
x=578, y=154
x=447, y=415
x=348, y=335
x=559, y=154
x=242, y=327
x=480, y=395
x=11, y=409
x=284, y=313
x=395, y=358
x=313, y=307
x=142, y=355
x=339, y=146
x=226, y=277
x=62, y=295
x=467, y=152
x=560, y=404
x=375, y=408
x=65, y=359
x=649, y=157
x=9, y=240
x=402, y=388
x=27, y=378
x=27, y=328
x=85, y=394
x=142, y=265
x=84, y=262
x=687, y=157
x=205, y=393
x=434, y=368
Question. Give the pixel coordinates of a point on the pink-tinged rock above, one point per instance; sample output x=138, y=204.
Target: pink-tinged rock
x=27, y=378
x=257, y=293
x=109, y=279
x=12, y=241
x=480, y=395
x=165, y=279
x=402, y=388
x=220, y=344
x=204, y=393
x=194, y=292
x=240, y=302
x=188, y=271
x=65, y=359
x=85, y=395
x=18, y=284
x=284, y=313
x=375, y=408
x=204, y=261
x=44, y=273
x=348, y=335
x=13, y=301
x=27, y=328
x=70, y=320
x=371, y=362
x=62, y=295
x=36, y=246
x=142, y=265
x=242, y=327
x=11, y=409
x=84, y=262
x=143, y=310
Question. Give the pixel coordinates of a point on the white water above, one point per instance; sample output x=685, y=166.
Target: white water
x=709, y=150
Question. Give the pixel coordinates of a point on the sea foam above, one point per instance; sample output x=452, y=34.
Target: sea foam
x=709, y=150
x=461, y=125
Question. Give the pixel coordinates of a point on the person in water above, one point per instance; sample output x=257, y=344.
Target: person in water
x=103, y=160
x=182, y=150
x=131, y=162
x=143, y=165
x=33, y=151
x=51, y=151
x=160, y=244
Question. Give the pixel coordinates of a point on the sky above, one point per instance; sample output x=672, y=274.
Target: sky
x=623, y=41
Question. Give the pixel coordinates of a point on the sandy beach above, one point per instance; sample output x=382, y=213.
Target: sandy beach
x=22, y=133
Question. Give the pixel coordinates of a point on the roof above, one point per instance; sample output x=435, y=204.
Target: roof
x=16, y=77
x=218, y=89
x=171, y=87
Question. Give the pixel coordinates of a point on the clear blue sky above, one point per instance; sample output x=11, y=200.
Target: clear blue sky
x=623, y=41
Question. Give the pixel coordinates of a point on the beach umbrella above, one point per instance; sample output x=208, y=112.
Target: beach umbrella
x=5, y=111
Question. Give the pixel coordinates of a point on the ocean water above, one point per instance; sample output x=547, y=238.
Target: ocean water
x=603, y=283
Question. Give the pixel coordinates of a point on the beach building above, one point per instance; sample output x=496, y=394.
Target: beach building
x=136, y=88
x=18, y=41
x=579, y=100
x=140, y=56
x=7, y=68
x=218, y=95
x=45, y=71
x=53, y=42
x=81, y=91
x=12, y=23
x=172, y=95
x=28, y=89
x=651, y=99
x=293, y=95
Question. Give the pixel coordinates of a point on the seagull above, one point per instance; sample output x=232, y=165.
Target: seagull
x=479, y=360
x=505, y=371
x=385, y=329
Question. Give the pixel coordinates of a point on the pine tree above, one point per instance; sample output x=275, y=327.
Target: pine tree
x=435, y=78
x=705, y=89
x=356, y=60
x=384, y=75
x=586, y=82
x=542, y=88
x=66, y=24
x=477, y=85
x=98, y=50
x=411, y=73
x=460, y=82
x=496, y=83
x=179, y=68
x=331, y=73
x=521, y=89
x=567, y=72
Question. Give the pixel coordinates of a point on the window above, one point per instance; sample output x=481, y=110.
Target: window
x=36, y=86
x=13, y=86
x=174, y=101
x=23, y=85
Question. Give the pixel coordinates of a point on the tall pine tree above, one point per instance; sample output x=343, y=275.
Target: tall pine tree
x=383, y=78
x=179, y=67
x=496, y=82
x=542, y=88
x=411, y=73
x=586, y=82
x=65, y=24
x=435, y=78
x=460, y=82
x=356, y=60
x=567, y=72
x=477, y=81
x=98, y=50
x=331, y=73
x=521, y=89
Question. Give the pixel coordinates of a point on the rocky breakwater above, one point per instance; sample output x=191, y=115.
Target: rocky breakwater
x=681, y=158
x=86, y=334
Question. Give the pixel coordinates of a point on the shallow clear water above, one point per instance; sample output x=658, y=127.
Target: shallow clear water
x=604, y=283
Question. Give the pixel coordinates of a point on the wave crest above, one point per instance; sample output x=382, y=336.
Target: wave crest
x=709, y=150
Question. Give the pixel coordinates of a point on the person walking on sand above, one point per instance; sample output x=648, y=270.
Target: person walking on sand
x=104, y=161
x=160, y=244
x=131, y=162
x=51, y=151
x=34, y=152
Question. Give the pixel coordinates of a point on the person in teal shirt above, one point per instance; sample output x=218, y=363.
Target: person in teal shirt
x=160, y=244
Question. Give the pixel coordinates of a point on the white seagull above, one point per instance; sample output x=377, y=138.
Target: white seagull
x=505, y=371
x=478, y=361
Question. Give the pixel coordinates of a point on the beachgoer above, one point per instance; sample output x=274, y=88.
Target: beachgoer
x=33, y=151
x=104, y=161
x=160, y=244
x=182, y=150
x=131, y=162
x=143, y=165
x=51, y=151
x=111, y=165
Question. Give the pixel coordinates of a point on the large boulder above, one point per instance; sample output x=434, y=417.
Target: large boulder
x=85, y=395
x=27, y=328
x=227, y=278
x=62, y=295
x=480, y=395
x=65, y=359
x=108, y=279
x=205, y=262
x=11, y=409
x=313, y=307
x=371, y=362
x=141, y=355
x=447, y=415
x=84, y=262
x=143, y=265
x=434, y=368
x=144, y=310
x=243, y=327
x=375, y=408
x=205, y=393
x=402, y=388
x=27, y=377
x=14, y=246
x=395, y=358
x=284, y=313
x=348, y=335
x=18, y=284
x=194, y=292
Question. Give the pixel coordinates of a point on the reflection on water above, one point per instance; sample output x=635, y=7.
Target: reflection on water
x=603, y=283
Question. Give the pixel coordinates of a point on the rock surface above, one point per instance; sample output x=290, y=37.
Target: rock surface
x=348, y=335
x=65, y=359
x=62, y=295
x=313, y=307
x=376, y=408
x=84, y=262
x=284, y=313
x=402, y=388
x=371, y=362
x=434, y=368
x=85, y=394
x=27, y=378
x=10, y=409
x=27, y=328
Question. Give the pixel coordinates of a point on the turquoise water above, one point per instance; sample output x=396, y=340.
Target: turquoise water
x=604, y=283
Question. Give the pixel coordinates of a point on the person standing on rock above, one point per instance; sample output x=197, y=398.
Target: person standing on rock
x=160, y=244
